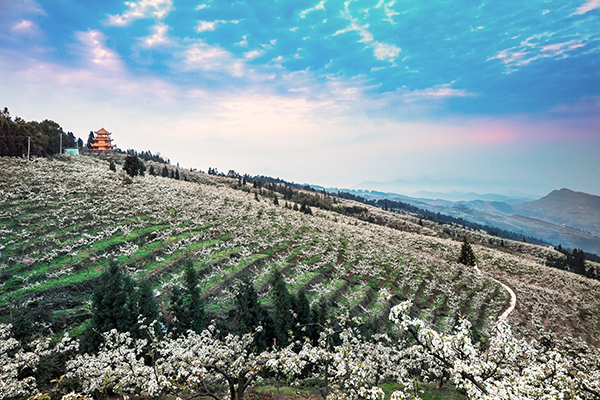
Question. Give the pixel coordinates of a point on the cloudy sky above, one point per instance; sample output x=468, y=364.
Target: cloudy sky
x=488, y=96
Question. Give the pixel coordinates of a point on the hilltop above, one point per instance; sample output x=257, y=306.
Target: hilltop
x=563, y=217
x=566, y=207
x=63, y=219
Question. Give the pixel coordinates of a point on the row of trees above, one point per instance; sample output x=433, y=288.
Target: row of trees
x=45, y=137
x=120, y=301
x=134, y=166
x=207, y=364
x=574, y=261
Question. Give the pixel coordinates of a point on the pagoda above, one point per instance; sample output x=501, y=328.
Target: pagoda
x=102, y=142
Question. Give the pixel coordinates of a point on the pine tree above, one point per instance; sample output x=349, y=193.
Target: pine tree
x=112, y=166
x=165, y=172
x=131, y=165
x=467, y=257
x=282, y=302
x=177, y=309
x=303, y=319
x=151, y=170
x=275, y=200
x=142, y=303
x=90, y=140
x=141, y=167
x=177, y=174
x=193, y=316
x=319, y=318
x=250, y=313
x=110, y=308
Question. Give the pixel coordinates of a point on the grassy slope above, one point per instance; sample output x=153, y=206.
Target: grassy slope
x=61, y=221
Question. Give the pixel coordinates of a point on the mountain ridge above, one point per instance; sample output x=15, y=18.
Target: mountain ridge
x=563, y=216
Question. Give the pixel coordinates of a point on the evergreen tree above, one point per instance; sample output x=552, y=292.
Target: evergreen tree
x=141, y=168
x=110, y=308
x=131, y=165
x=90, y=140
x=194, y=306
x=275, y=200
x=165, y=172
x=177, y=174
x=186, y=306
x=112, y=166
x=319, y=318
x=282, y=303
x=250, y=313
x=177, y=309
x=142, y=303
x=303, y=319
x=151, y=170
x=467, y=257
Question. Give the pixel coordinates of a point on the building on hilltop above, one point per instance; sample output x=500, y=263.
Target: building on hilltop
x=102, y=142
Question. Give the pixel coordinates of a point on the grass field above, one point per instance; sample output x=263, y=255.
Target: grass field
x=62, y=220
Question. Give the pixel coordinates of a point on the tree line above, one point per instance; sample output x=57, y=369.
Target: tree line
x=120, y=302
x=44, y=137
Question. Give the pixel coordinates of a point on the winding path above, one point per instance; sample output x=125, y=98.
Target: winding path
x=513, y=296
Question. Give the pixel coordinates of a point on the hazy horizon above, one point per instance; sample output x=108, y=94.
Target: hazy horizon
x=501, y=97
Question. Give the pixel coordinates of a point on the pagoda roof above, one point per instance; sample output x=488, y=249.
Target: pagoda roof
x=102, y=131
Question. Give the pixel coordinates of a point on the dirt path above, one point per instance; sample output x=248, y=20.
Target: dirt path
x=513, y=296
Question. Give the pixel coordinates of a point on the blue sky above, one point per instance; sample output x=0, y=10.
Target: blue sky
x=501, y=96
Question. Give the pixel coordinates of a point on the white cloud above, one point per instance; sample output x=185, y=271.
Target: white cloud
x=385, y=52
x=206, y=26
x=26, y=28
x=201, y=7
x=557, y=49
x=535, y=48
x=96, y=51
x=443, y=91
x=23, y=26
x=243, y=42
x=381, y=51
x=213, y=58
x=587, y=6
x=388, y=11
x=254, y=54
x=320, y=6
x=158, y=36
x=142, y=9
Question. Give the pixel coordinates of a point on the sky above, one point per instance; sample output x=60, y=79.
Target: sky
x=482, y=96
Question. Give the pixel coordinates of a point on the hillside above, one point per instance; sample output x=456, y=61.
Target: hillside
x=62, y=220
x=562, y=217
x=566, y=207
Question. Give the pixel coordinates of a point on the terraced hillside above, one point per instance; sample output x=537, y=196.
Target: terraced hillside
x=62, y=220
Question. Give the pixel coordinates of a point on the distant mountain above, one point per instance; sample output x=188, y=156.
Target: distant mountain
x=564, y=217
x=457, y=189
x=565, y=207
x=471, y=196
